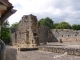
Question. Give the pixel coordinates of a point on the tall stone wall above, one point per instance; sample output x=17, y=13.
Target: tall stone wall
x=45, y=35
x=26, y=33
x=66, y=35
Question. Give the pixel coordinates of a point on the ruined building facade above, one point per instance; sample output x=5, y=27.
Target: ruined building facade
x=29, y=34
x=26, y=34
x=66, y=35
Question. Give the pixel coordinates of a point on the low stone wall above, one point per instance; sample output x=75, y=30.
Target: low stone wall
x=11, y=54
x=70, y=51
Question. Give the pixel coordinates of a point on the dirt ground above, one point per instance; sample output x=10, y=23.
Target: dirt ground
x=43, y=55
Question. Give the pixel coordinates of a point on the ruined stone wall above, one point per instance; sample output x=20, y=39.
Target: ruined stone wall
x=13, y=39
x=11, y=53
x=58, y=35
x=68, y=50
x=13, y=36
x=44, y=34
x=26, y=32
x=66, y=35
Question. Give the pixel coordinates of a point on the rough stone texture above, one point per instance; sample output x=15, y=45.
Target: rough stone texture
x=44, y=34
x=71, y=49
x=66, y=35
x=11, y=53
x=26, y=34
x=29, y=34
x=13, y=36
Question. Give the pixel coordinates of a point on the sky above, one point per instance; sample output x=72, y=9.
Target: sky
x=57, y=10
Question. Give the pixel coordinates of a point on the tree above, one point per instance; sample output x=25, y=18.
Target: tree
x=46, y=22
x=63, y=25
x=5, y=32
x=14, y=25
x=41, y=22
x=76, y=27
x=55, y=25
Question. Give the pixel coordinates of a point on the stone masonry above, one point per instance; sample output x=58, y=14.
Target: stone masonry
x=46, y=35
x=25, y=35
x=66, y=35
x=29, y=34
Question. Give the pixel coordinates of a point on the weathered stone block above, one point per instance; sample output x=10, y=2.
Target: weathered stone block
x=11, y=54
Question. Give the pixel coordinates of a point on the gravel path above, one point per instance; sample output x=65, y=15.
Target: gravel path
x=42, y=55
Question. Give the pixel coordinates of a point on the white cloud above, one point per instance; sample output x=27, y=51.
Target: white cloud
x=58, y=10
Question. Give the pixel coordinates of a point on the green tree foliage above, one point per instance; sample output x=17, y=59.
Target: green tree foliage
x=5, y=32
x=14, y=25
x=46, y=22
x=55, y=25
x=76, y=27
x=41, y=22
x=63, y=25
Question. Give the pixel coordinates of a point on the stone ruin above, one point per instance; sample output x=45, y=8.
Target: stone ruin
x=29, y=34
x=66, y=35
x=26, y=34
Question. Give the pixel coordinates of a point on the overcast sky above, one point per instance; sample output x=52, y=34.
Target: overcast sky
x=57, y=10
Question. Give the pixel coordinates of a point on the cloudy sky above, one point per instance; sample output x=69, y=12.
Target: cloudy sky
x=57, y=10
